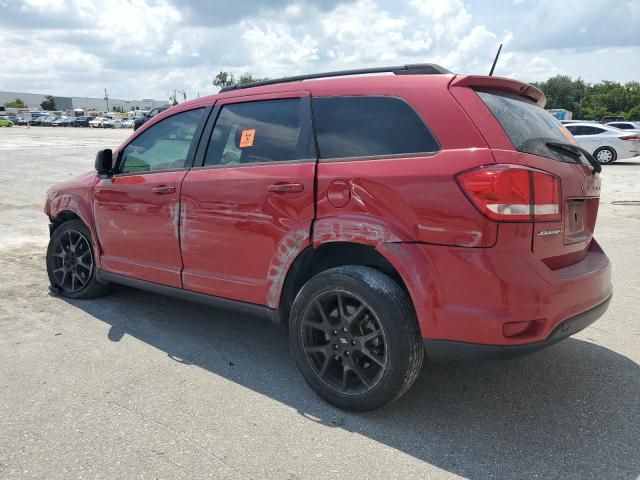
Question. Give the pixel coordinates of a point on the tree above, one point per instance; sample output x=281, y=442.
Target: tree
x=17, y=103
x=49, y=103
x=226, y=79
x=634, y=113
x=173, y=98
x=592, y=101
x=559, y=91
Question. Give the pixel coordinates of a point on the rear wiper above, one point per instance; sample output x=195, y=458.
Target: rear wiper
x=578, y=152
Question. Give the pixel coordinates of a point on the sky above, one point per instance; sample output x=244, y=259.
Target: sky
x=147, y=48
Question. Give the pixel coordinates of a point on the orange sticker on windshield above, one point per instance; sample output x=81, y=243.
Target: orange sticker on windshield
x=246, y=138
x=567, y=134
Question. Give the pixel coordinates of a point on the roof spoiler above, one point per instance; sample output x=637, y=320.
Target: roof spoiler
x=502, y=84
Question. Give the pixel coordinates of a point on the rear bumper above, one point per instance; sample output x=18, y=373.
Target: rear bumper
x=476, y=296
x=630, y=149
x=445, y=350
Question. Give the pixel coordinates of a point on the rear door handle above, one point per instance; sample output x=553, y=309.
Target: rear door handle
x=163, y=189
x=286, y=188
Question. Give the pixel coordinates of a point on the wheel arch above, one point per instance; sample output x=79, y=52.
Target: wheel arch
x=318, y=258
x=61, y=217
x=70, y=207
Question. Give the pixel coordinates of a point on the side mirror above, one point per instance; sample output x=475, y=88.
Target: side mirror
x=104, y=160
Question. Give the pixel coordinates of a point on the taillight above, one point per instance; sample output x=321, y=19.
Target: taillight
x=629, y=137
x=513, y=193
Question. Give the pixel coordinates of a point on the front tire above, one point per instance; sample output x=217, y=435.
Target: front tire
x=354, y=337
x=605, y=155
x=70, y=262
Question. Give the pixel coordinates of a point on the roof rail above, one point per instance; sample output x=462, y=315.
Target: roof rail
x=414, y=69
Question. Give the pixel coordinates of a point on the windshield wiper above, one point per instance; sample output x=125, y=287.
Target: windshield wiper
x=578, y=152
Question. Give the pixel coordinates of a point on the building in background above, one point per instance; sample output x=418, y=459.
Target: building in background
x=33, y=101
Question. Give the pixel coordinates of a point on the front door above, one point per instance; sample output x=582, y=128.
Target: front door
x=247, y=210
x=137, y=211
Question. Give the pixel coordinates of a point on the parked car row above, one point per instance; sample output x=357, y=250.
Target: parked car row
x=85, y=121
x=105, y=122
x=138, y=122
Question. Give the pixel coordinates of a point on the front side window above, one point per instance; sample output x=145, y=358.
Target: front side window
x=164, y=146
x=368, y=127
x=261, y=131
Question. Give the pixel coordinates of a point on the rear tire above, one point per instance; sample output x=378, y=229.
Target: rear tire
x=70, y=262
x=354, y=337
x=605, y=155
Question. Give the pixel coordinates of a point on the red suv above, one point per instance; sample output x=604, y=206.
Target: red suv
x=382, y=218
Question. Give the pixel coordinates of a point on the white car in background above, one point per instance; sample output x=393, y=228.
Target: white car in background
x=607, y=144
x=101, y=122
x=116, y=122
x=566, y=122
x=627, y=126
x=128, y=123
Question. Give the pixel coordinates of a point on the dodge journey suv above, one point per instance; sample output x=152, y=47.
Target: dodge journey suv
x=381, y=218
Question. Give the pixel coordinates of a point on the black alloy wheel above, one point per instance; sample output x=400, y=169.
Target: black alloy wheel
x=72, y=261
x=354, y=337
x=344, y=342
x=71, y=264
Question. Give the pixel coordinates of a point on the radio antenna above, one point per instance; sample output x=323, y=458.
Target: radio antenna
x=495, y=60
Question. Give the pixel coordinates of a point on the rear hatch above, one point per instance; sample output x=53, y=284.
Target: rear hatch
x=520, y=132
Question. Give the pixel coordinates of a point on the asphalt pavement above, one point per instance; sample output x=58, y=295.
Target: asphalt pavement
x=138, y=386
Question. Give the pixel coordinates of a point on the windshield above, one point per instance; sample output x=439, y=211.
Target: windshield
x=528, y=126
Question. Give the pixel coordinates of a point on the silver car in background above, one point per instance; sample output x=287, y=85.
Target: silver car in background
x=626, y=126
x=607, y=144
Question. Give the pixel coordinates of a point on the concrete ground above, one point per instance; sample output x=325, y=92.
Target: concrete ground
x=135, y=385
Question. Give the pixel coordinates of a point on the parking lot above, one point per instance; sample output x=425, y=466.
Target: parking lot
x=134, y=385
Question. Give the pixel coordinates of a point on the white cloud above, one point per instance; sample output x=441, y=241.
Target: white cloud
x=364, y=34
x=449, y=19
x=275, y=50
x=577, y=24
x=146, y=48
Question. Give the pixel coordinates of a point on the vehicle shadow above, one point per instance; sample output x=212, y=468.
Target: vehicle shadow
x=572, y=411
x=623, y=162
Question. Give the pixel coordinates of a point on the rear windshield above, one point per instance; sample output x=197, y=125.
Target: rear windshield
x=528, y=126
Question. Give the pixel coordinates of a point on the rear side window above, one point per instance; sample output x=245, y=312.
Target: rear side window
x=527, y=125
x=261, y=131
x=369, y=126
x=579, y=130
x=621, y=126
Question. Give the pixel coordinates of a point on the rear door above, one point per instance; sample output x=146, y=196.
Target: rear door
x=520, y=132
x=247, y=208
x=382, y=172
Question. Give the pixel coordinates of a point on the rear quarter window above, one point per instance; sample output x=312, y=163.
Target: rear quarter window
x=348, y=127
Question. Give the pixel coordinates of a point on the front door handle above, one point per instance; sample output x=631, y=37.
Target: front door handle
x=163, y=189
x=286, y=188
